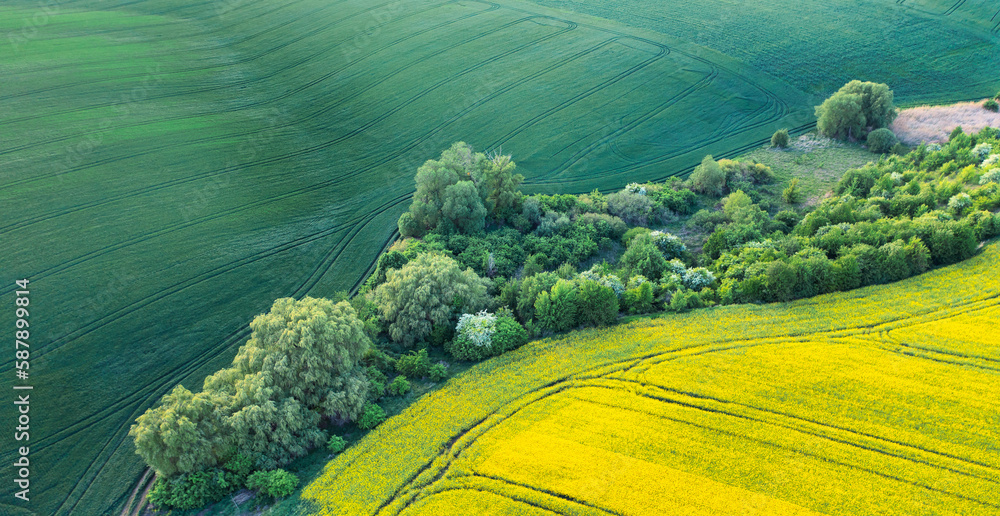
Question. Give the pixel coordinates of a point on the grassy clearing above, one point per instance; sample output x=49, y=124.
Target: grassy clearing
x=842, y=404
x=169, y=168
x=817, y=162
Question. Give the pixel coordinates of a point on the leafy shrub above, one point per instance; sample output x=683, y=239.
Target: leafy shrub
x=634, y=208
x=399, y=386
x=643, y=257
x=273, y=484
x=638, y=300
x=684, y=300
x=670, y=245
x=854, y=108
x=954, y=134
x=991, y=105
x=991, y=176
x=336, y=444
x=982, y=151
x=708, y=177
x=597, y=303
x=881, y=141
x=415, y=364
x=900, y=149
x=959, y=202
x=485, y=335
x=792, y=194
x=192, y=490
x=698, y=278
x=780, y=139
x=371, y=416
x=556, y=310
x=509, y=335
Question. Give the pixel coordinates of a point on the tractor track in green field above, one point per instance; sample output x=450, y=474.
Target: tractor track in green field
x=491, y=7
x=169, y=378
x=181, y=93
x=171, y=53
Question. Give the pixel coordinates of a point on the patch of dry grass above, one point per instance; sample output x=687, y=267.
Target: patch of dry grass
x=935, y=123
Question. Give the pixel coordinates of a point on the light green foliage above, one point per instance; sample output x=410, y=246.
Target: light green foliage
x=792, y=194
x=399, y=386
x=708, y=177
x=881, y=140
x=425, y=293
x=855, y=108
x=639, y=300
x=531, y=287
x=433, y=179
x=463, y=208
x=643, y=257
x=336, y=444
x=183, y=434
x=273, y=484
x=372, y=416
x=556, y=310
x=780, y=139
x=498, y=184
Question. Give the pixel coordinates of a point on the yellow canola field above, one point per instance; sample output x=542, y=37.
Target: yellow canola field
x=884, y=400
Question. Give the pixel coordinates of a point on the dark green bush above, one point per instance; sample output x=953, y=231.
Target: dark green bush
x=399, y=386
x=415, y=364
x=273, y=484
x=881, y=141
x=336, y=444
x=991, y=105
x=780, y=139
x=371, y=416
x=598, y=304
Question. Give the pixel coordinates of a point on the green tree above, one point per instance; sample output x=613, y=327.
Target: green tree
x=531, y=287
x=841, y=116
x=643, y=257
x=185, y=433
x=780, y=139
x=428, y=291
x=433, y=179
x=556, y=310
x=854, y=108
x=708, y=177
x=597, y=303
x=497, y=182
x=792, y=194
x=463, y=207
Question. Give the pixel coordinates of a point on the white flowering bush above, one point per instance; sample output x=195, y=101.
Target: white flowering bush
x=982, y=151
x=635, y=188
x=991, y=160
x=636, y=281
x=478, y=328
x=897, y=178
x=959, y=202
x=991, y=176
x=611, y=281
x=698, y=278
x=670, y=245
x=671, y=282
x=676, y=267
x=933, y=147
